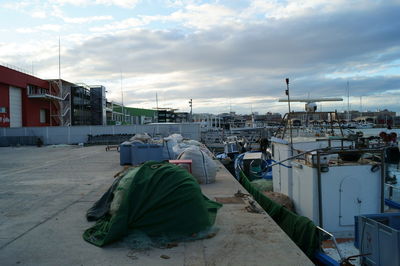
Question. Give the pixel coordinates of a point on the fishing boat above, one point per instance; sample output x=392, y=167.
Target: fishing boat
x=332, y=177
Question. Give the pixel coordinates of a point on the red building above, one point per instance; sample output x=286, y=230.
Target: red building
x=27, y=101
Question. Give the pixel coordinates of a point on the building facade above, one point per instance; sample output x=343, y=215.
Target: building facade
x=208, y=121
x=88, y=105
x=379, y=118
x=27, y=101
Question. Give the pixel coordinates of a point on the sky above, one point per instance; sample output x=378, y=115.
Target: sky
x=225, y=55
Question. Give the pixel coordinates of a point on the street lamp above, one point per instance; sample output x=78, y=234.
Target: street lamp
x=190, y=104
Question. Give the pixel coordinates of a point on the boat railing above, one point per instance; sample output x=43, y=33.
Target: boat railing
x=335, y=243
x=392, y=195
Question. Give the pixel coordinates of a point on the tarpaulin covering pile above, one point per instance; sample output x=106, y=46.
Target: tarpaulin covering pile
x=157, y=199
x=204, y=168
x=300, y=229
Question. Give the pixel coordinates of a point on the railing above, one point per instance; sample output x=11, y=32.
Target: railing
x=55, y=118
x=65, y=110
x=65, y=94
x=392, y=196
x=17, y=68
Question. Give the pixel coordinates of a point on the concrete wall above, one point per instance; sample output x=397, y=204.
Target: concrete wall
x=79, y=134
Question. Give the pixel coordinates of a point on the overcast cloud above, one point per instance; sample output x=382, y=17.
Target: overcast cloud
x=223, y=56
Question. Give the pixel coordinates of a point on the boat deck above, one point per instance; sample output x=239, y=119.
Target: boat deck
x=46, y=191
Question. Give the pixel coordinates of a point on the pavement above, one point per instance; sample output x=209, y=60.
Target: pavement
x=45, y=192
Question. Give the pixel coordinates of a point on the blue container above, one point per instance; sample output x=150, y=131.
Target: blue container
x=379, y=236
x=141, y=153
x=231, y=147
x=125, y=153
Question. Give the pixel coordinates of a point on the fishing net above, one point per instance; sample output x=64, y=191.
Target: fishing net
x=159, y=200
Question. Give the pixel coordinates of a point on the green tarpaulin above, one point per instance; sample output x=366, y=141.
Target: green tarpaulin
x=158, y=199
x=299, y=228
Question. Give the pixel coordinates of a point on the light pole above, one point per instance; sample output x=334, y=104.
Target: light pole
x=191, y=104
x=290, y=124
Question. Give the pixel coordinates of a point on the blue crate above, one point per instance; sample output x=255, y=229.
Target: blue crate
x=125, y=153
x=379, y=235
x=141, y=153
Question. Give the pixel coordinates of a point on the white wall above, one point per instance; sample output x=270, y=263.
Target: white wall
x=78, y=134
x=15, y=107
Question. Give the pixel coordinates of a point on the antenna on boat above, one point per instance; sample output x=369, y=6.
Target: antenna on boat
x=290, y=126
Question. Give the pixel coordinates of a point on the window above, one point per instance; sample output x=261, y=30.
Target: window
x=3, y=110
x=34, y=90
x=42, y=116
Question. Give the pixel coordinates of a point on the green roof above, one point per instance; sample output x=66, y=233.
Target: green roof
x=134, y=111
x=139, y=112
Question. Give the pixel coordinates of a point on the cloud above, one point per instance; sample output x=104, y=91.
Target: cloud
x=50, y=27
x=33, y=9
x=21, y=5
x=276, y=10
x=120, y=25
x=294, y=46
x=38, y=14
x=203, y=16
x=250, y=63
x=54, y=8
x=220, y=58
x=119, y=3
x=41, y=28
x=58, y=12
x=81, y=20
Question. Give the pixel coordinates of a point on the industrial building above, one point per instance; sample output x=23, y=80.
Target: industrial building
x=28, y=101
x=170, y=115
x=88, y=105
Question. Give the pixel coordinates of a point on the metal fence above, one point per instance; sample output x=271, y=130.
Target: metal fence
x=79, y=134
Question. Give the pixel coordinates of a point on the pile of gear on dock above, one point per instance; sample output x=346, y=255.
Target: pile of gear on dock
x=157, y=199
x=142, y=148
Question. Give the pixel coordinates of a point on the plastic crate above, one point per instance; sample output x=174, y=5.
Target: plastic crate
x=231, y=147
x=125, y=153
x=141, y=153
x=379, y=236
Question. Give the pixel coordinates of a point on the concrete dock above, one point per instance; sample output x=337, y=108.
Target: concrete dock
x=45, y=192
